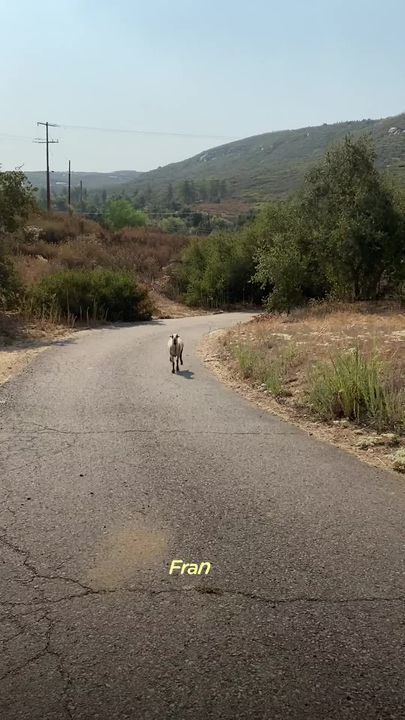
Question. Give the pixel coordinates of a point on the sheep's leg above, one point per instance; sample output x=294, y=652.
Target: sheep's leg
x=172, y=362
x=177, y=363
x=181, y=358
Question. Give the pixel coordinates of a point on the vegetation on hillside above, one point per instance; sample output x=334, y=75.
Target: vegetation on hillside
x=67, y=268
x=273, y=165
x=179, y=209
x=262, y=167
x=196, y=194
x=342, y=236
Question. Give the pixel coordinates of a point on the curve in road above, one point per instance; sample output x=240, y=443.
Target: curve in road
x=111, y=468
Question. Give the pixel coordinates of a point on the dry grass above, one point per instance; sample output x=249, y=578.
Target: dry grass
x=53, y=244
x=166, y=308
x=271, y=358
x=57, y=228
x=21, y=341
x=317, y=332
x=148, y=249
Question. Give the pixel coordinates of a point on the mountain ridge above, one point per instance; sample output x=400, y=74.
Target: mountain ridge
x=271, y=164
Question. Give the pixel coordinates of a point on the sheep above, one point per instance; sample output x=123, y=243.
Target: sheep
x=176, y=347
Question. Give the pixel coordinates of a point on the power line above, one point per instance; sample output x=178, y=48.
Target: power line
x=120, y=130
x=148, y=132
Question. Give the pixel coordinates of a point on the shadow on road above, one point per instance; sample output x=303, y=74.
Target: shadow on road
x=20, y=341
x=188, y=374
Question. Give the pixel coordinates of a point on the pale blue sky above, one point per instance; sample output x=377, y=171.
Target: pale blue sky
x=210, y=67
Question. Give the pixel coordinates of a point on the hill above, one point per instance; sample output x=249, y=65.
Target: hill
x=274, y=164
x=255, y=168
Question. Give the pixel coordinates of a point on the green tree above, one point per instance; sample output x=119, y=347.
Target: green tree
x=223, y=189
x=148, y=194
x=9, y=283
x=120, y=213
x=41, y=198
x=284, y=265
x=59, y=202
x=356, y=227
x=174, y=225
x=187, y=192
x=217, y=270
x=169, y=198
x=203, y=190
x=16, y=200
x=343, y=236
x=214, y=190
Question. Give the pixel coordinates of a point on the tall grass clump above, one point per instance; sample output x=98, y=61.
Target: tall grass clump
x=248, y=358
x=90, y=295
x=256, y=364
x=359, y=387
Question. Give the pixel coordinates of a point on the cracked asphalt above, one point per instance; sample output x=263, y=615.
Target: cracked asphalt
x=110, y=468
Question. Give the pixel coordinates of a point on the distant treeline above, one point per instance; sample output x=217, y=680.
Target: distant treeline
x=171, y=209
x=186, y=192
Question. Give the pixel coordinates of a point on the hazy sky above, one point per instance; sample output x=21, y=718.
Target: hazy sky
x=209, y=67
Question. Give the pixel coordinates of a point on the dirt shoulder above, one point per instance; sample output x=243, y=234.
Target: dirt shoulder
x=20, y=343
x=167, y=309
x=374, y=448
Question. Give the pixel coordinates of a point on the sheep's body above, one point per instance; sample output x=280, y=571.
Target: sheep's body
x=176, y=346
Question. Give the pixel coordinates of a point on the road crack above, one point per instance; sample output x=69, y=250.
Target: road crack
x=36, y=574
x=47, y=649
x=43, y=429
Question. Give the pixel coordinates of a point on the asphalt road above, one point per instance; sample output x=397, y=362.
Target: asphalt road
x=110, y=468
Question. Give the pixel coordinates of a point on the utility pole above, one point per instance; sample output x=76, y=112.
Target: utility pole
x=81, y=194
x=69, y=186
x=47, y=142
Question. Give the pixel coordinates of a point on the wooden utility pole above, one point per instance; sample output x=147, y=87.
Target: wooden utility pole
x=47, y=142
x=81, y=194
x=69, y=186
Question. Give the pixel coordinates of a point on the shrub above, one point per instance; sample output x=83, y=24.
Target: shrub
x=9, y=283
x=120, y=213
x=357, y=387
x=146, y=251
x=16, y=200
x=56, y=229
x=174, y=225
x=96, y=294
x=217, y=270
